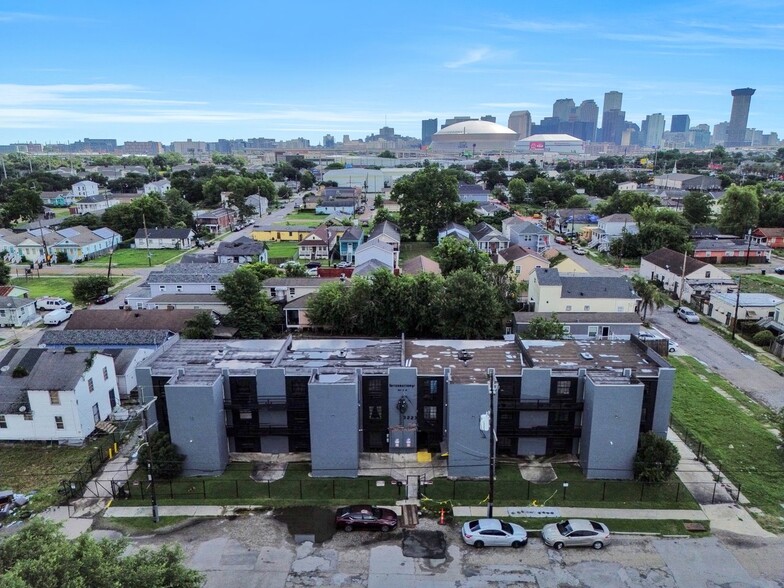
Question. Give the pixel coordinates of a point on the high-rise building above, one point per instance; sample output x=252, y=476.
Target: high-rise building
x=488, y=118
x=652, y=130
x=720, y=133
x=612, y=117
x=429, y=128
x=141, y=148
x=564, y=109
x=328, y=142
x=456, y=119
x=387, y=133
x=700, y=136
x=588, y=112
x=679, y=123
x=520, y=123
x=739, y=118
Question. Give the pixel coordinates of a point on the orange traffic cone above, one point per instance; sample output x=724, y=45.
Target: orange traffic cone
x=442, y=520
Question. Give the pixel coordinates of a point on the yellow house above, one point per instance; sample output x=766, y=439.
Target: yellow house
x=548, y=291
x=291, y=233
x=524, y=261
x=570, y=266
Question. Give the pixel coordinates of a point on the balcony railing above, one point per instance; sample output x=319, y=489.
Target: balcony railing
x=541, y=431
x=255, y=403
x=539, y=404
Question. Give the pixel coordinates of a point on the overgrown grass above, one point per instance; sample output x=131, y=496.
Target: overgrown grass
x=26, y=467
x=411, y=249
x=745, y=450
x=663, y=527
x=137, y=525
x=124, y=258
x=304, y=218
x=764, y=284
x=282, y=249
x=46, y=286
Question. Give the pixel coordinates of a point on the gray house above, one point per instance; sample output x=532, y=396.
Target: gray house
x=242, y=250
x=339, y=398
x=587, y=325
x=16, y=311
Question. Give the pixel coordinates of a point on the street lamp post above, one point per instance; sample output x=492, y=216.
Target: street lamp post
x=737, y=304
x=492, y=388
x=150, y=477
x=109, y=272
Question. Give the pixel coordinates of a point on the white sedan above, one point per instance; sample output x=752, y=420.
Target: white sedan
x=493, y=533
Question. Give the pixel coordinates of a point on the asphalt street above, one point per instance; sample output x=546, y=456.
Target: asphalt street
x=759, y=382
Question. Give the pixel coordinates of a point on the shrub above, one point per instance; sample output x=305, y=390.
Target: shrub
x=656, y=459
x=763, y=338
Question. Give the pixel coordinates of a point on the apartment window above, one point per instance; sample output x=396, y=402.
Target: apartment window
x=568, y=308
x=246, y=415
x=567, y=330
x=162, y=288
x=178, y=288
x=560, y=417
x=707, y=274
x=374, y=412
x=28, y=416
x=272, y=292
x=105, y=373
x=430, y=413
x=374, y=386
x=90, y=385
x=213, y=288
x=58, y=422
x=54, y=397
x=292, y=292
x=587, y=308
x=3, y=424
x=96, y=413
x=563, y=388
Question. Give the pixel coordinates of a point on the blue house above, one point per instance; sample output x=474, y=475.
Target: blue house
x=58, y=199
x=351, y=239
x=340, y=206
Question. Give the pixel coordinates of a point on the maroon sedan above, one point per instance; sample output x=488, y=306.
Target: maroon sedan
x=364, y=517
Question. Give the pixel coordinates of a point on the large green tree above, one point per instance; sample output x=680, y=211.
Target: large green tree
x=650, y=296
x=697, y=207
x=5, y=273
x=200, y=326
x=544, y=328
x=126, y=219
x=656, y=459
x=428, y=200
x=518, y=190
x=39, y=555
x=453, y=254
x=250, y=311
x=89, y=288
x=739, y=209
x=470, y=308
x=625, y=202
x=22, y=204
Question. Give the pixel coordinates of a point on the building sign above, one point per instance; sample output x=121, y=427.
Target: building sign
x=536, y=146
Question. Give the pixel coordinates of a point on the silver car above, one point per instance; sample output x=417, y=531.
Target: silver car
x=576, y=532
x=688, y=315
x=493, y=533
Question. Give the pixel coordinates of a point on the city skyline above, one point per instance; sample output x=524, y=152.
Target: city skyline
x=121, y=73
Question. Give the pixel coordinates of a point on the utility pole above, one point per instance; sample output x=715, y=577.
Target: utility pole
x=147, y=241
x=683, y=280
x=748, y=248
x=492, y=385
x=737, y=304
x=150, y=477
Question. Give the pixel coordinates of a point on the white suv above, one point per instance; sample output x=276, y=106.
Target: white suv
x=51, y=303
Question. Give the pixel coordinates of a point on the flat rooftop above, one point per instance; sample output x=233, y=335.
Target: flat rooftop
x=468, y=360
x=341, y=356
x=604, y=359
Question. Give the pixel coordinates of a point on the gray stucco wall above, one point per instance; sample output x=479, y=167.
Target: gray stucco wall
x=197, y=427
x=664, y=392
x=334, y=426
x=611, y=425
x=271, y=382
x=402, y=427
x=531, y=446
x=469, y=447
x=535, y=384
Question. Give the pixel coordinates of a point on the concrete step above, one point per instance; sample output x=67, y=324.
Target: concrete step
x=410, y=516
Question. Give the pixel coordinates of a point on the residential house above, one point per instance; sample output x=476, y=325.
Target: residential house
x=242, y=250
x=473, y=193
x=280, y=233
x=377, y=250
x=259, y=204
x=58, y=396
x=421, y=264
x=751, y=306
x=348, y=243
x=310, y=201
x=526, y=234
x=18, y=312
x=288, y=289
x=115, y=172
x=369, y=267
x=296, y=313
x=551, y=400
x=770, y=237
x=735, y=251
x=189, y=278
x=218, y=220
x=144, y=320
x=93, y=204
x=388, y=233
x=628, y=186
x=341, y=206
x=548, y=291
x=610, y=228
x=80, y=243
x=57, y=199
x=587, y=325
x=567, y=265
x=14, y=291
x=208, y=302
x=685, y=277
x=318, y=244
x=85, y=188
x=166, y=238
x=488, y=239
x=490, y=209
x=455, y=230
x=106, y=339
x=350, y=192
x=159, y=187
x=524, y=261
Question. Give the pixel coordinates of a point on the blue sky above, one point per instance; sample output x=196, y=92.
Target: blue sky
x=173, y=70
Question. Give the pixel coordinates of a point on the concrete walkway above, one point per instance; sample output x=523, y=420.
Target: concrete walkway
x=586, y=513
x=172, y=511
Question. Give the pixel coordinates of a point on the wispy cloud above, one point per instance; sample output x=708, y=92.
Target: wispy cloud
x=19, y=17
x=471, y=56
x=700, y=40
x=537, y=26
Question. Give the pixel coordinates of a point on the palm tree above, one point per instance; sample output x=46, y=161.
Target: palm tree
x=650, y=296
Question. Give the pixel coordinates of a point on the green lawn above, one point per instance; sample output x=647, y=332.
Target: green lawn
x=733, y=439
x=46, y=286
x=282, y=249
x=236, y=487
x=128, y=258
x=304, y=219
x=764, y=284
x=137, y=525
x=26, y=467
x=663, y=527
x=411, y=249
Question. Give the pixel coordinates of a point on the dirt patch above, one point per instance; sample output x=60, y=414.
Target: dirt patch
x=268, y=471
x=538, y=473
x=424, y=544
x=308, y=521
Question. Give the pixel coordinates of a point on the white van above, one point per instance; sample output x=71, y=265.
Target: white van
x=57, y=316
x=52, y=303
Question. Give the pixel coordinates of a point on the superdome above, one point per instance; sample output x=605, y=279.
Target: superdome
x=474, y=135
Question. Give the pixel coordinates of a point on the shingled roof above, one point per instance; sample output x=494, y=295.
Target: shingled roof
x=170, y=320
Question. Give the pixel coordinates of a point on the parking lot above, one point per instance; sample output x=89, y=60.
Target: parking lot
x=257, y=550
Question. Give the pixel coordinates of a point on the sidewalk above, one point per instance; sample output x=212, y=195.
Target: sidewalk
x=567, y=512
